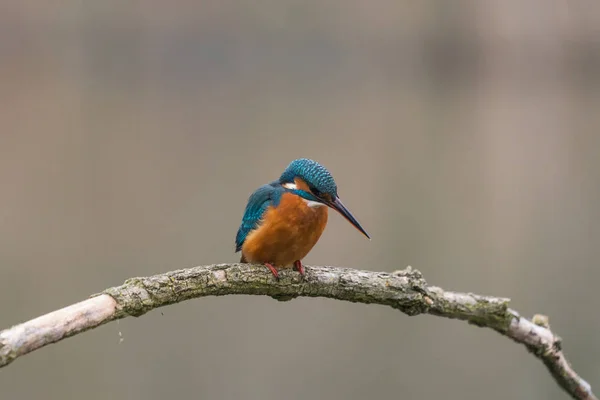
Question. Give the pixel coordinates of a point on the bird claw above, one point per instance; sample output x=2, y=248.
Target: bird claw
x=299, y=267
x=273, y=271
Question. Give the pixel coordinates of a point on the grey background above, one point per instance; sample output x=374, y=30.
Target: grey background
x=463, y=136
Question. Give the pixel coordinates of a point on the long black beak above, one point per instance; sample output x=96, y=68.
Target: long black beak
x=337, y=205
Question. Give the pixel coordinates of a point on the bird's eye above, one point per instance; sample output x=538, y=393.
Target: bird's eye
x=315, y=191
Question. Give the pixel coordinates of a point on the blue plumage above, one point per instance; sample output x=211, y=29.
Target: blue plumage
x=295, y=227
x=258, y=203
x=311, y=172
x=314, y=174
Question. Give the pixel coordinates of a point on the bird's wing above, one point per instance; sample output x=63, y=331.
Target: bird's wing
x=258, y=203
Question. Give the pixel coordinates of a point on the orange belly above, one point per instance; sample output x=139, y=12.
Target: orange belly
x=287, y=233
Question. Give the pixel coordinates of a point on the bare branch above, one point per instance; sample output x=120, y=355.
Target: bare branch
x=405, y=290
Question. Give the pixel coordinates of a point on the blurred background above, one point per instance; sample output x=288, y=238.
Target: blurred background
x=464, y=137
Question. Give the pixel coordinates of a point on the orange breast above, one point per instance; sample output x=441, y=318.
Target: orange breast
x=287, y=233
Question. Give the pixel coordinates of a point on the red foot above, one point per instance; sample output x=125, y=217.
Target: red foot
x=273, y=271
x=299, y=267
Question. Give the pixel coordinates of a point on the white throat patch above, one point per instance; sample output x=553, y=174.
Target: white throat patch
x=313, y=204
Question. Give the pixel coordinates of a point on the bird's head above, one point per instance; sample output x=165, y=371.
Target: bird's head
x=311, y=181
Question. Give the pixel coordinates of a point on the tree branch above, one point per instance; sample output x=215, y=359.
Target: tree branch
x=405, y=290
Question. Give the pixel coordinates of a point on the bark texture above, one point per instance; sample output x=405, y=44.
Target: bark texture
x=404, y=290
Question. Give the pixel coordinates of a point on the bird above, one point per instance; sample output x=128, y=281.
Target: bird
x=284, y=219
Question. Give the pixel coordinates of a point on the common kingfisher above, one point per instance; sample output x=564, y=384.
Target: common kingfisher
x=284, y=219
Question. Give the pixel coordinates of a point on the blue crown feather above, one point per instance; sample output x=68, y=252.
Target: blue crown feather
x=313, y=173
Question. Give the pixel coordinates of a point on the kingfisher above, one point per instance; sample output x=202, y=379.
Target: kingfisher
x=284, y=219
